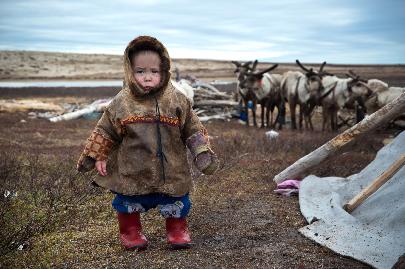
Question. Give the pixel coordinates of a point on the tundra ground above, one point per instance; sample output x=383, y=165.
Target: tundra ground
x=236, y=221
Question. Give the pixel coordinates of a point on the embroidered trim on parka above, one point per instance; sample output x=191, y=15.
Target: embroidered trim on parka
x=169, y=120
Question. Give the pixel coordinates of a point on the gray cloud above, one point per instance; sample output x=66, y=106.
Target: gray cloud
x=337, y=31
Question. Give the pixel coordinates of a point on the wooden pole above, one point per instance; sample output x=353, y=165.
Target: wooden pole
x=375, y=185
x=381, y=116
x=215, y=103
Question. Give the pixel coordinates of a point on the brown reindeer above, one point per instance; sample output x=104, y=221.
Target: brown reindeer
x=245, y=94
x=266, y=88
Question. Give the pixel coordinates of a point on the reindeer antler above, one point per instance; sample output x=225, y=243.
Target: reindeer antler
x=303, y=67
x=324, y=73
x=236, y=63
x=254, y=65
x=246, y=64
x=268, y=69
x=354, y=76
x=351, y=72
x=358, y=76
x=322, y=66
x=260, y=73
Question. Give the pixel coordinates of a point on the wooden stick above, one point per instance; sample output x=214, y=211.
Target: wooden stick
x=78, y=113
x=380, y=117
x=375, y=185
x=215, y=103
x=219, y=116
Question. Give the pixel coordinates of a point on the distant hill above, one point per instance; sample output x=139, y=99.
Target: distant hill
x=23, y=65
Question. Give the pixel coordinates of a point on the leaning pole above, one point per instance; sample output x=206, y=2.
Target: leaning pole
x=381, y=116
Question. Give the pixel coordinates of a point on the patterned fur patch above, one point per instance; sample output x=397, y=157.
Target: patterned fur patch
x=198, y=143
x=171, y=210
x=172, y=121
x=98, y=147
x=134, y=207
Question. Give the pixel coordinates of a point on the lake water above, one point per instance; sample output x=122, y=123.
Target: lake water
x=61, y=83
x=226, y=86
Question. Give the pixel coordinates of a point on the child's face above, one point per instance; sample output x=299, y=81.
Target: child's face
x=146, y=66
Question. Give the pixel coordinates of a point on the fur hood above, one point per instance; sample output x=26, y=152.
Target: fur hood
x=146, y=43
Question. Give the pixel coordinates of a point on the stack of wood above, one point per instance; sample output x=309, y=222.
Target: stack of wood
x=210, y=103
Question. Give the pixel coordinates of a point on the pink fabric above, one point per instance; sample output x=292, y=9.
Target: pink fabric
x=288, y=187
x=289, y=184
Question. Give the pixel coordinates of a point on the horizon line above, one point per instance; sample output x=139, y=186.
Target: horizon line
x=201, y=59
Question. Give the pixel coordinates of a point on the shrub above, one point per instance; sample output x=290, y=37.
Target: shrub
x=38, y=195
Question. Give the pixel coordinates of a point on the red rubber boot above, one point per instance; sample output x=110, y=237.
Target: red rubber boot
x=131, y=231
x=177, y=233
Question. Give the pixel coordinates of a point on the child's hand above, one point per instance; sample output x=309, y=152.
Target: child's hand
x=102, y=167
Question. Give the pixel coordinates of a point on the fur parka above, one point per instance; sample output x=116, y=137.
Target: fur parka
x=143, y=135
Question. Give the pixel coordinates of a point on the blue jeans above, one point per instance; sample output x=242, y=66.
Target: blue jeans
x=168, y=206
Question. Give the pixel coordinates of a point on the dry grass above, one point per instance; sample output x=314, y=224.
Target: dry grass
x=236, y=220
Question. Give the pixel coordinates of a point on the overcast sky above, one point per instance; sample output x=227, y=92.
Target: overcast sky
x=336, y=31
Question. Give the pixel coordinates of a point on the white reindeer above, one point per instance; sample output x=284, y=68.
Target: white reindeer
x=368, y=92
x=336, y=94
x=302, y=90
x=339, y=93
x=382, y=95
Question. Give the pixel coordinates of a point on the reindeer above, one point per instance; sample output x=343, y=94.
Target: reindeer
x=382, y=94
x=304, y=90
x=266, y=88
x=361, y=92
x=240, y=71
x=245, y=94
x=338, y=93
x=376, y=91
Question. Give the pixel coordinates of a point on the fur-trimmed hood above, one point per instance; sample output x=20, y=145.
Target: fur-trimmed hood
x=146, y=43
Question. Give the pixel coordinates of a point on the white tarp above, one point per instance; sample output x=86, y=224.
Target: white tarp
x=374, y=232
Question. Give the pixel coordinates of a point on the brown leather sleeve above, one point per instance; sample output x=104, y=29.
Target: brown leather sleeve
x=196, y=136
x=191, y=124
x=198, y=143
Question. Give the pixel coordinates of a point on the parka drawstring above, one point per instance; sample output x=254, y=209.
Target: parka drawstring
x=160, y=154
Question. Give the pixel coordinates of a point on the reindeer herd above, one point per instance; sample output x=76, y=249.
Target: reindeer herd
x=307, y=90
